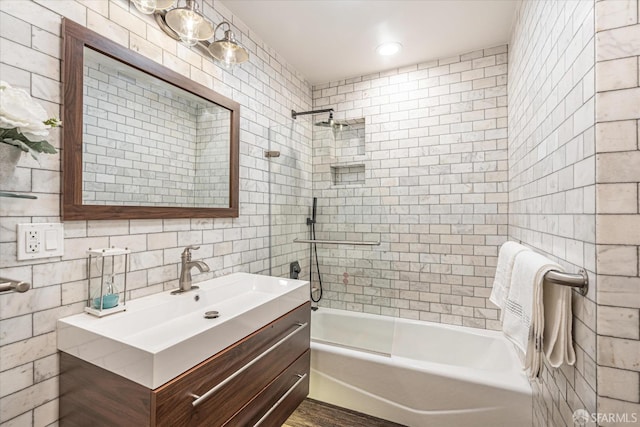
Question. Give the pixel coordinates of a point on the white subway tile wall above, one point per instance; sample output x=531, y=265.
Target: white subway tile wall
x=551, y=175
x=429, y=182
x=617, y=50
x=267, y=89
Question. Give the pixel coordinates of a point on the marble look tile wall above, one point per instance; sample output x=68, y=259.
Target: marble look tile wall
x=427, y=177
x=617, y=113
x=552, y=175
x=267, y=89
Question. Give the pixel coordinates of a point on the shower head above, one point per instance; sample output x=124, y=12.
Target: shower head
x=331, y=123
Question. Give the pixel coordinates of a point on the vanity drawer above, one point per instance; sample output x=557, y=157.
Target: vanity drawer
x=279, y=399
x=224, y=382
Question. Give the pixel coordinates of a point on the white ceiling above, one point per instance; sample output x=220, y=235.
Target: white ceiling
x=328, y=40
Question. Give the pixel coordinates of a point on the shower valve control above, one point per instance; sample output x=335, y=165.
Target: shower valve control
x=294, y=270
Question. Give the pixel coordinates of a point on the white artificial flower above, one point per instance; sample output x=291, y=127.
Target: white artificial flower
x=18, y=110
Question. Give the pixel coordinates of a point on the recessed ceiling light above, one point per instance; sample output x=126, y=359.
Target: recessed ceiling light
x=389, y=48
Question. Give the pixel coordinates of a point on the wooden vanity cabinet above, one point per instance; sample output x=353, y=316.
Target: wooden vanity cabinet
x=269, y=372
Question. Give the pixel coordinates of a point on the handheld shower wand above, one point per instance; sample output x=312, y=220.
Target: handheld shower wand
x=313, y=210
x=311, y=222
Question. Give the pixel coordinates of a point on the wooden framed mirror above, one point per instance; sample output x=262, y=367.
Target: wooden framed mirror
x=140, y=140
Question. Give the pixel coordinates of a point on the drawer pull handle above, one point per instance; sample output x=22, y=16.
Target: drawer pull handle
x=284, y=396
x=199, y=399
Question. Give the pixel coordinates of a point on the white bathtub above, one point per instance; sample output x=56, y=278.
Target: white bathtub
x=417, y=373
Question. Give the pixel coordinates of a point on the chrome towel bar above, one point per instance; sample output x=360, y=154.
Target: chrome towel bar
x=13, y=285
x=338, y=242
x=579, y=281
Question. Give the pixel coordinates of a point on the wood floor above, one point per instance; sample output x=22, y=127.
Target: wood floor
x=312, y=413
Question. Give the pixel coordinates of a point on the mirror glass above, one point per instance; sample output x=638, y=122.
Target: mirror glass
x=148, y=143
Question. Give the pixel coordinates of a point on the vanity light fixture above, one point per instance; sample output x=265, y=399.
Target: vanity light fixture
x=227, y=50
x=389, y=48
x=150, y=6
x=189, y=24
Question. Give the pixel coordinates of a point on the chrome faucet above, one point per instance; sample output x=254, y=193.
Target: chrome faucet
x=185, y=270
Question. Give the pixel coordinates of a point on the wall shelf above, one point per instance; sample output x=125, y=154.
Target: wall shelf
x=16, y=196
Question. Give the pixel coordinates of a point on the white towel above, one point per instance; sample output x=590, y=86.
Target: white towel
x=504, y=268
x=558, y=319
x=524, y=314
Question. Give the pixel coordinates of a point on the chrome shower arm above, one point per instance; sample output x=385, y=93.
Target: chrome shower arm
x=295, y=114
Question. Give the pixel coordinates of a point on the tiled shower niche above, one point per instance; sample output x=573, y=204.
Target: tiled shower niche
x=347, y=167
x=347, y=175
x=350, y=139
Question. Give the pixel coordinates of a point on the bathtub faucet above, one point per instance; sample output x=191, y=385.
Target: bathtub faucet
x=185, y=270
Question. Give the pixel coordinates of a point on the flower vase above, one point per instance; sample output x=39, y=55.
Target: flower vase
x=9, y=157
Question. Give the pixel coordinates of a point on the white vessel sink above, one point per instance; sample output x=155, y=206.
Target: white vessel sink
x=161, y=336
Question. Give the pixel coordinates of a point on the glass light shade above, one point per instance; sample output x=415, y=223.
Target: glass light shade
x=189, y=41
x=228, y=51
x=189, y=25
x=145, y=6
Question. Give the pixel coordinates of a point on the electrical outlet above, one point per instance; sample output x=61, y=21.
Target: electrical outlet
x=33, y=241
x=40, y=240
